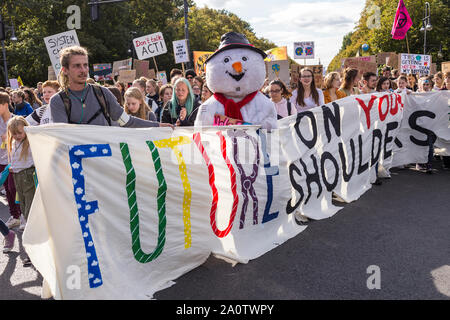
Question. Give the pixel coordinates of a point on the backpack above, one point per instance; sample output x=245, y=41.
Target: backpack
x=101, y=101
x=289, y=107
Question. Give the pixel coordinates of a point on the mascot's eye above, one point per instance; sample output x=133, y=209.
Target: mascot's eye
x=226, y=60
x=244, y=58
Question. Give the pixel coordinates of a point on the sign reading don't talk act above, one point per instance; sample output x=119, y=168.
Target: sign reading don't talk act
x=56, y=43
x=150, y=45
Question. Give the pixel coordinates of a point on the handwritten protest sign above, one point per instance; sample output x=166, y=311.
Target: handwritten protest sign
x=56, y=43
x=103, y=72
x=199, y=60
x=278, y=70
x=150, y=45
x=392, y=60
x=51, y=73
x=415, y=64
x=304, y=50
x=445, y=66
x=122, y=65
x=14, y=83
x=361, y=65
x=142, y=68
x=317, y=70
x=127, y=76
x=180, y=51
x=162, y=76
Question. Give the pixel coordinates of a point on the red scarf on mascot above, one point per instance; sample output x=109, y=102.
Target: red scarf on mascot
x=233, y=109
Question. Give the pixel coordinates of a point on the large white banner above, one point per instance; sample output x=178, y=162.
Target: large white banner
x=120, y=213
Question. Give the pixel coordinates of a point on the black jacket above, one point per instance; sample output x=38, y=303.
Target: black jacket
x=188, y=121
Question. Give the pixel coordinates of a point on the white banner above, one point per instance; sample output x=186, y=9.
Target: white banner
x=56, y=43
x=150, y=45
x=174, y=197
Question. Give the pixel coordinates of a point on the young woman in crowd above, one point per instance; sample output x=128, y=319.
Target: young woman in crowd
x=197, y=91
x=438, y=80
x=116, y=92
x=280, y=95
x=136, y=106
x=182, y=109
x=22, y=165
x=31, y=98
x=350, y=85
x=165, y=95
x=199, y=81
x=206, y=93
x=152, y=89
x=122, y=88
x=412, y=82
x=384, y=85
x=332, y=84
x=402, y=83
x=306, y=96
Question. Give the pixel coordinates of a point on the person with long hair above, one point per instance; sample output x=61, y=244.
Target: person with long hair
x=136, y=106
x=32, y=99
x=350, y=84
x=438, y=81
x=183, y=107
x=165, y=95
x=412, y=82
x=384, y=85
x=306, y=96
x=332, y=84
x=206, y=93
x=122, y=88
x=279, y=94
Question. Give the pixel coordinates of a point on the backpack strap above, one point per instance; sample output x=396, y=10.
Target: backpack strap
x=103, y=104
x=67, y=104
x=289, y=107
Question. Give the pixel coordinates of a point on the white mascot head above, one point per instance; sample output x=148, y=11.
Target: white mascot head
x=237, y=68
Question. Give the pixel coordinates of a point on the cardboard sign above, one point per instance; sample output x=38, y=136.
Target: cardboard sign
x=51, y=73
x=122, y=65
x=199, y=61
x=392, y=61
x=415, y=64
x=127, y=76
x=142, y=68
x=362, y=66
x=180, y=51
x=56, y=43
x=152, y=74
x=445, y=67
x=304, y=50
x=381, y=57
x=162, y=76
x=103, y=72
x=151, y=45
x=278, y=70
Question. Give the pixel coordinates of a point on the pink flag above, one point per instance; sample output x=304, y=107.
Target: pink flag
x=402, y=22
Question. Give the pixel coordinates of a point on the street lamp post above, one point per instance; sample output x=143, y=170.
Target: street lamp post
x=4, y=28
x=426, y=26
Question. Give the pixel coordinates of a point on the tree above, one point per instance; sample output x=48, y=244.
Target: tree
x=378, y=36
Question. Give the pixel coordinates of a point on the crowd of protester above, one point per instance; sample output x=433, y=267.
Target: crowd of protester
x=148, y=102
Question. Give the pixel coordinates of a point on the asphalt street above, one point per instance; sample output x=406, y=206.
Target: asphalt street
x=399, y=229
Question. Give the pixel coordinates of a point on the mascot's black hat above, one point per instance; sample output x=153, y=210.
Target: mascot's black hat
x=233, y=40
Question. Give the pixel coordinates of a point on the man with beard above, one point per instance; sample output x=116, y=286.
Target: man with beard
x=370, y=82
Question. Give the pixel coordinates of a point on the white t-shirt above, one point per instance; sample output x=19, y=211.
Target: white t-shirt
x=18, y=164
x=41, y=115
x=309, y=101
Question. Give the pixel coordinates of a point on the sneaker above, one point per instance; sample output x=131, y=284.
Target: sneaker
x=23, y=223
x=12, y=222
x=27, y=262
x=8, y=242
x=3, y=191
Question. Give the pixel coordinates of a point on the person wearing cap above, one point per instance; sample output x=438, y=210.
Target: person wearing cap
x=190, y=75
x=235, y=73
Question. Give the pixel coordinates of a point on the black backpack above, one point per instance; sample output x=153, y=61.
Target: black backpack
x=101, y=101
x=289, y=110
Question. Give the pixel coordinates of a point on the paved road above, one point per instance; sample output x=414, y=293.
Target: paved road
x=402, y=227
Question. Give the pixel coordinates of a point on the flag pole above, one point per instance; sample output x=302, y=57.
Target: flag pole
x=407, y=42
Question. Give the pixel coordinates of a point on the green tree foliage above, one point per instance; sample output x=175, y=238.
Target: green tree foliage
x=379, y=38
x=109, y=38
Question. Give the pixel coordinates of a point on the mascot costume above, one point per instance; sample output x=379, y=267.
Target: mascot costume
x=236, y=73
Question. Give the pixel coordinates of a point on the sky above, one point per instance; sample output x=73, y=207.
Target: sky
x=287, y=21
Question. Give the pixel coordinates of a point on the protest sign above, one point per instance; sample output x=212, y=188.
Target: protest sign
x=59, y=41
x=381, y=57
x=103, y=71
x=122, y=65
x=51, y=73
x=276, y=54
x=180, y=51
x=199, y=60
x=150, y=45
x=361, y=65
x=127, y=76
x=445, y=66
x=162, y=76
x=415, y=64
x=278, y=70
x=171, y=199
x=142, y=68
x=14, y=84
x=392, y=60
x=152, y=74
x=304, y=50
